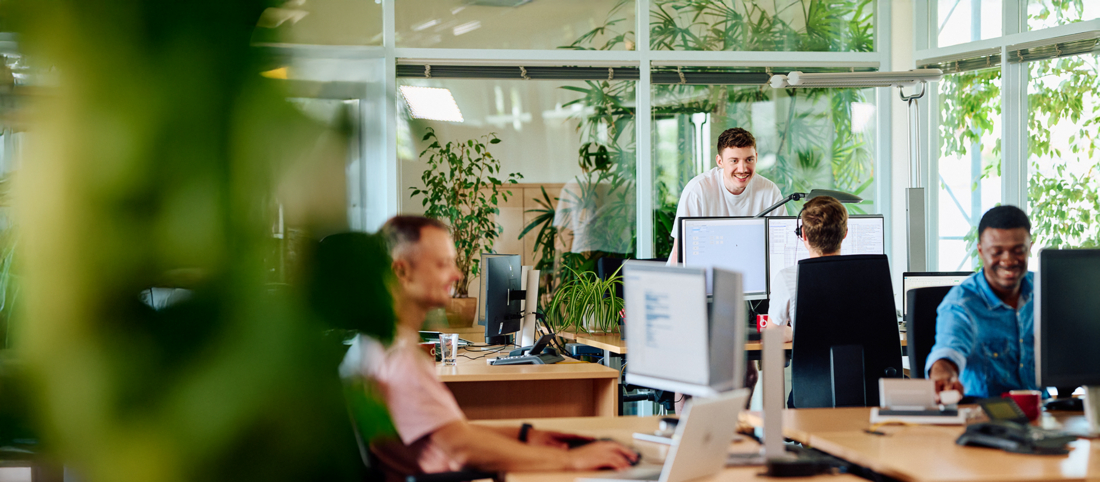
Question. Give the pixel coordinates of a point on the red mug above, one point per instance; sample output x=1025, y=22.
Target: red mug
x=761, y=323
x=1027, y=400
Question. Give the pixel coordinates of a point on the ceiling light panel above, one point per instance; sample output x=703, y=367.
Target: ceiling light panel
x=431, y=103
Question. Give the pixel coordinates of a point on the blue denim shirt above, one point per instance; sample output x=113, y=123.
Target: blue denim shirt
x=992, y=344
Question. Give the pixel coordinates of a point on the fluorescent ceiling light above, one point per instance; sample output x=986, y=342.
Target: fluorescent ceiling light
x=467, y=27
x=429, y=24
x=856, y=79
x=431, y=103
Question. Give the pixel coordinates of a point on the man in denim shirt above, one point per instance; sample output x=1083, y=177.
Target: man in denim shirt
x=985, y=326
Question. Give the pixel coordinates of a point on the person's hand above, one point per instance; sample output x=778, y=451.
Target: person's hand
x=945, y=375
x=601, y=455
x=556, y=440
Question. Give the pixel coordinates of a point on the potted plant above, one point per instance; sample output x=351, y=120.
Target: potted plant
x=586, y=303
x=462, y=186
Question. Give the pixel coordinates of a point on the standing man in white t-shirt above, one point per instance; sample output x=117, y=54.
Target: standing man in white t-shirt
x=731, y=189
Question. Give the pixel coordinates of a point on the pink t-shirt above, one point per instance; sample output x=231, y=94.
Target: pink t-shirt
x=419, y=404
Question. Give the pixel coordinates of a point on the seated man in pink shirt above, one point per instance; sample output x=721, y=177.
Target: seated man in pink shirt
x=434, y=434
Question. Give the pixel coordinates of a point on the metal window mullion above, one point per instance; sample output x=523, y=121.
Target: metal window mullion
x=1014, y=134
x=885, y=99
x=1013, y=39
x=643, y=151
x=930, y=133
x=392, y=176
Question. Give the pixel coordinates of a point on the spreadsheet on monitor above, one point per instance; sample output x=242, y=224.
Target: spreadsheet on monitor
x=865, y=236
x=732, y=243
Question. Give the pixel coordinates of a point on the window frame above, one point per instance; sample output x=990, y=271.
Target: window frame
x=1014, y=102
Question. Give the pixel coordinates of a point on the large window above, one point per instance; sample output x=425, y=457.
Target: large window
x=1063, y=127
x=322, y=22
x=962, y=21
x=794, y=25
x=969, y=177
x=1052, y=13
x=1022, y=129
x=513, y=24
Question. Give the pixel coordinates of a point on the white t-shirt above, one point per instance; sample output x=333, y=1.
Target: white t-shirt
x=784, y=295
x=705, y=195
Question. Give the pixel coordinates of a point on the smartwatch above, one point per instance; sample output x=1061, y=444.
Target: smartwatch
x=523, y=429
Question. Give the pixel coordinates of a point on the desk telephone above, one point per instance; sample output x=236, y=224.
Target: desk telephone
x=539, y=354
x=1014, y=437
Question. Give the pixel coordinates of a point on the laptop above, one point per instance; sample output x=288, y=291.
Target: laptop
x=700, y=445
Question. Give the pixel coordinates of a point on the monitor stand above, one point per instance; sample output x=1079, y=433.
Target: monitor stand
x=498, y=340
x=1092, y=409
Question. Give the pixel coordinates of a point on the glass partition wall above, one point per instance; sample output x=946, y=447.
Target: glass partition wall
x=608, y=107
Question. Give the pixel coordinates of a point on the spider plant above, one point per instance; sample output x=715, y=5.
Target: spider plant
x=586, y=303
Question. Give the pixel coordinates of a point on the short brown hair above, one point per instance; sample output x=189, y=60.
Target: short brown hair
x=824, y=223
x=400, y=232
x=736, y=137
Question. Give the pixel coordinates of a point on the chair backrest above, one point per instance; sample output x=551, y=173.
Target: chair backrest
x=920, y=325
x=843, y=301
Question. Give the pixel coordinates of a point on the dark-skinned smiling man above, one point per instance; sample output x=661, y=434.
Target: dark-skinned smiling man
x=985, y=337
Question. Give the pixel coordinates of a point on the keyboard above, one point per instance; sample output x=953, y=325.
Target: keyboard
x=540, y=359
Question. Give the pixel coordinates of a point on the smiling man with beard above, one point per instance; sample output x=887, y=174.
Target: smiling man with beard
x=731, y=189
x=985, y=337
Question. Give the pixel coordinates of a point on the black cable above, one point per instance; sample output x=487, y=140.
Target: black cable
x=487, y=353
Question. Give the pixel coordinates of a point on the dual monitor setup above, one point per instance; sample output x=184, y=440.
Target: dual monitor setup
x=759, y=247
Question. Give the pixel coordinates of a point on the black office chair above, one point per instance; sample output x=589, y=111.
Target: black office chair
x=845, y=333
x=920, y=325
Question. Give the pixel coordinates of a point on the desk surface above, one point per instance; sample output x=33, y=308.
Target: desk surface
x=929, y=453
x=622, y=429
x=478, y=370
x=614, y=342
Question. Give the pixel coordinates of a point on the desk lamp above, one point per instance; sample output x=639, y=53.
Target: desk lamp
x=796, y=196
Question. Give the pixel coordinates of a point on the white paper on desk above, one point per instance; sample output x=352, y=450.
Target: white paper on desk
x=667, y=325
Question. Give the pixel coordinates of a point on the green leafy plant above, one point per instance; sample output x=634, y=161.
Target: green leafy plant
x=584, y=302
x=462, y=185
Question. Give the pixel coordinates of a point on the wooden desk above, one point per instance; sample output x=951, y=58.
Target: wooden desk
x=614, y=343
x=622, y=429
x=929, y=453
x=566, y=389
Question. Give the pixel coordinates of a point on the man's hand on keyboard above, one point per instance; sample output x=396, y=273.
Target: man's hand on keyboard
x=555, y=439
x=602, y=455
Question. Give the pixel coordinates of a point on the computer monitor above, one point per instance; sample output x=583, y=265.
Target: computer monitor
x=911, y=280
x=731, y=243
x=501, y=296
x=866, y=235
x=674, y=344
x=1067, y=318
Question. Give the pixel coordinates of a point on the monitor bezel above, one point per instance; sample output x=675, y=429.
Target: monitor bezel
x=750, y=296
x=925, y=274
x=1041, y=347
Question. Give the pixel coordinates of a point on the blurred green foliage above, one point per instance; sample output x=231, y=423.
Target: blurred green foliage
x=153, y=163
